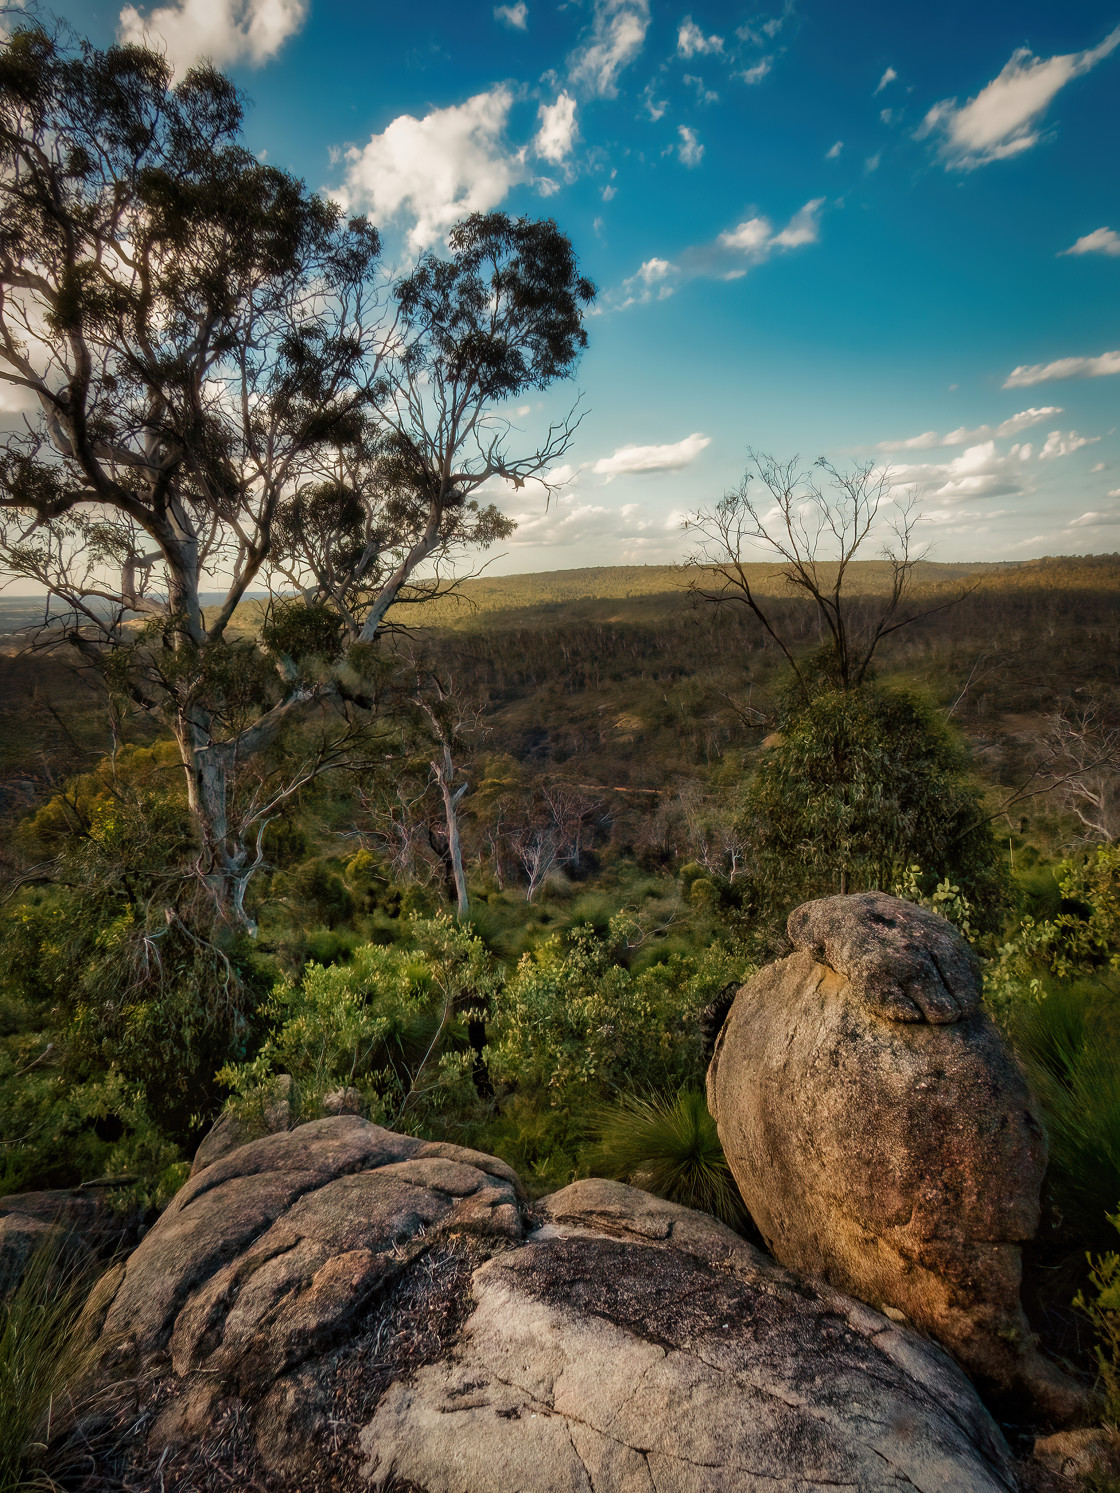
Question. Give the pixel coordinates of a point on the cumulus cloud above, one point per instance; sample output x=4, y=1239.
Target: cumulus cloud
x=1100, y=241
x=755, y=239
x=930, y=439
x=833, y=152
x=618, y=33
x=434, y=170
x=557, y=134
x=1003, y=119
x=979, y=472
x=690, y=150
x=1058, y=444
x=888, y=77
x=1040, y=373
x=630, y=459
x=691, y=41
x=225, y=31
x=516, y=17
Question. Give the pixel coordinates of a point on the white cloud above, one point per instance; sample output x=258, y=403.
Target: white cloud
x=979, y=472
x=1096, y=520
x=1100, y=241
x=436, y=169
x=16, y=400
x=729, y=257
x=618, y=33
x=1040, y=373
x=756, y=240
x=690, y=150
x=802, y=228
x=654, y=270
x=629, y=459
x=756, y=73
x=1058, y=444
x=557, y=134
x=608, y=192
x=833, y=153
x=930, y=439
x=1003, y=119
x=691, y=41
x=225, y=31
x=888, y=77
x=514, y=16
x=704, y=94
x=872, y=162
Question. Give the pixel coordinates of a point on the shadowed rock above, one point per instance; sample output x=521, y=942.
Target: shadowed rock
x=882, y=1136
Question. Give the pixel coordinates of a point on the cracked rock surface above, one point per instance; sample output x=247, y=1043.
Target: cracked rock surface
x=632, y=1346
x=338, y=1307
x=267, y=1255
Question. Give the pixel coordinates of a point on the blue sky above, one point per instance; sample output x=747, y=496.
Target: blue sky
x=868, y=231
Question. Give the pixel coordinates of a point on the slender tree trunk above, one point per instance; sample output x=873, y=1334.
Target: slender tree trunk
x=445, y=772
x=225, y=866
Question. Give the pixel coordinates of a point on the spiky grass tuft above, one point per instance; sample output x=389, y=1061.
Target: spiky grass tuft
x=668, y=1145
x=45, y=1353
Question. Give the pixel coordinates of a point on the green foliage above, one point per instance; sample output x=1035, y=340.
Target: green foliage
x=859, y=785
x=946, y=900
x=44, y=1354
x=1054, y=987
x=574, y=1022
x=1102, y=1308
x=667, y=1145
x=1070, y=1044
x=391, y=1023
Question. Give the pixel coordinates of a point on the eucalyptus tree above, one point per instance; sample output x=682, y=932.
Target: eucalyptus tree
x=224, y=392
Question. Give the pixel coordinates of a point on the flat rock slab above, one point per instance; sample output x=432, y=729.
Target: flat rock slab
x=631, y=1346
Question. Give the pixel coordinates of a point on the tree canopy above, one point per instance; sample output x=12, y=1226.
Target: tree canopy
x=226, y=391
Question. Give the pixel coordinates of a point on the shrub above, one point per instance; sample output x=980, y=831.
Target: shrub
x=390, y=1023
x=1071, y=1050
x=578, y=1025
x=668, y=1145
x=1103, y=1310
x=1054, y=986
x=859, y=785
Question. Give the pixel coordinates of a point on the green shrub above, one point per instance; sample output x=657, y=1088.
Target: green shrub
x=575, y=1023
x=391, y=1023
x=859, y=785
x=1102, y=1307
x=668, y=1145
x=1054, y=987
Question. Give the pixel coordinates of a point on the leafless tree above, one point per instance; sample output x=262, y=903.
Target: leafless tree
x=1085, y=742
x=814, y=524
x=550, y=831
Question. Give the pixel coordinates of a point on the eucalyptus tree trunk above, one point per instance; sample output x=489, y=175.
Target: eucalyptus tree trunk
x=444, y=771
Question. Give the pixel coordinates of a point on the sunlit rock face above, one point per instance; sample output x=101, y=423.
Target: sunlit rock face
x=883, y=1137
x=633, y=1344
x=337, y=1305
